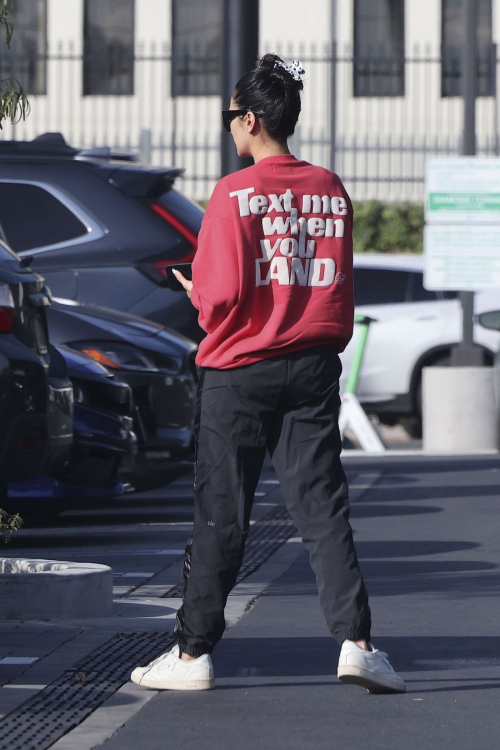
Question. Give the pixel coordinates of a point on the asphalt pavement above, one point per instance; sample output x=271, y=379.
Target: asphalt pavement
x=427, y=534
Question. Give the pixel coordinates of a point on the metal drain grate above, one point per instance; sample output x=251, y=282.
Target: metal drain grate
x=265, y=537
x=61, y=706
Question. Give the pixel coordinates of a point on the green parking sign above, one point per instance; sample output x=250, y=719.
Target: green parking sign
x=462, y=190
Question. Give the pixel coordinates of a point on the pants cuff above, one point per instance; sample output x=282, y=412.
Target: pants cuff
x=354, y=634
x=191, y=650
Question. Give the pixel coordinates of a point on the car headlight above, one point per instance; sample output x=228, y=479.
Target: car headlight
x=119, y=356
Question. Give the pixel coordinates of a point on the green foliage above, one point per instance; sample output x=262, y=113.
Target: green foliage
x=8, y=524
x=388, y=227
x=5, y=21
x=14, y=104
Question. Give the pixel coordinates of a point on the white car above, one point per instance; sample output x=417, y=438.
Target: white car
x=415, y=328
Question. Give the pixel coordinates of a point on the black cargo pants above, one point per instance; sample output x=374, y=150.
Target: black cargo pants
x=288, y=404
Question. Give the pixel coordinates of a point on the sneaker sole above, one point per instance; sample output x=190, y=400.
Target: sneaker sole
x=364, y=678
x=174, y=684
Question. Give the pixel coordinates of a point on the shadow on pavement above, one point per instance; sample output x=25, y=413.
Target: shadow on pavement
x=369, y=550
x=433, y=465
x=423, y=492
x=372, y=509
x=316, y=657
x=390, y=578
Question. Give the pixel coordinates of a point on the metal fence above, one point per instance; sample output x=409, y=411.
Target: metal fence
x=380, y=141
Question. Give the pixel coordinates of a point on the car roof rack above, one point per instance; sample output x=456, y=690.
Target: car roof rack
x=54, y=144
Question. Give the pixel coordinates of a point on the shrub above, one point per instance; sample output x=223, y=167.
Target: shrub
x=388, y=227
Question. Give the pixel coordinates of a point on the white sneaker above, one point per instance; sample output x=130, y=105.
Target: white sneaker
x=368, y=669
x=169, y=672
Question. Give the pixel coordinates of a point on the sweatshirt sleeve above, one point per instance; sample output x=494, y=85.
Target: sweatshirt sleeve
x=215, y=271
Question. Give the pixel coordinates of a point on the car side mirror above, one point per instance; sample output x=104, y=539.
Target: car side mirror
x=490, y=320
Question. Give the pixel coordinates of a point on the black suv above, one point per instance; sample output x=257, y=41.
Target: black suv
x=101, y=228
x=36, y=397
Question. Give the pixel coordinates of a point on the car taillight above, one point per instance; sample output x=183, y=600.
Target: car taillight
x=7, y=309
x=28, y=443
x=155, y=269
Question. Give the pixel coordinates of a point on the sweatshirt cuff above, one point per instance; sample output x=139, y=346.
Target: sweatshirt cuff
x=195, y=299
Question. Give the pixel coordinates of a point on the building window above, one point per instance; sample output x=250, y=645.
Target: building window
x=196, y=47
x=108, y=67
x=27, y=58
x=452, y=41
x=379, y=51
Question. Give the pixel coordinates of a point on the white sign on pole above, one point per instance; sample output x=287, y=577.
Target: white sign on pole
x=462, y=190
x=462, y=258
x=462, y=235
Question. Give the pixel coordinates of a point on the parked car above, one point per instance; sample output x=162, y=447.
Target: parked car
x=100, y=228
x=36, y=397
x=103, y=229
x=414, y=328
x=156, y=363
x=104, y=445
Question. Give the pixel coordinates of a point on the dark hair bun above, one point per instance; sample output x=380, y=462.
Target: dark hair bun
x=279, y=70
x=273, y=90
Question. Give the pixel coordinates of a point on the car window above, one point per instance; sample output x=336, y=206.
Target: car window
x=380, y=286
x=32, y=217
x=6, y=254
x=417, y=291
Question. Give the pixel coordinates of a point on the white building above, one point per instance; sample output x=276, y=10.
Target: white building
x=102, y=72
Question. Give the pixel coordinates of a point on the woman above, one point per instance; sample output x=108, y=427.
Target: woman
x=273, y=283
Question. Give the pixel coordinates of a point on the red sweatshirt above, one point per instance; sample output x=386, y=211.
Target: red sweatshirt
x=273, y=270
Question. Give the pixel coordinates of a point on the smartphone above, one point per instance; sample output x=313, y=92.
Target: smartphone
x=186, y=270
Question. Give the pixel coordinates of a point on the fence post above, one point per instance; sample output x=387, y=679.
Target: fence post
x=333, y=105
x=294, y=142
x=239, y=53
x=333, y=83
x=145, y=146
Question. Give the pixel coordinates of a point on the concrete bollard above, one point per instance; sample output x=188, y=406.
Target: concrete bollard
x=54, y=590
x=459, y=413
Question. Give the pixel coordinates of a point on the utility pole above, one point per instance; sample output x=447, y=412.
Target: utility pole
x=240, y=50
x=467, y=354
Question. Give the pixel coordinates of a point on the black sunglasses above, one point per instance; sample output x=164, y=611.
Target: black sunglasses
x=228, y=116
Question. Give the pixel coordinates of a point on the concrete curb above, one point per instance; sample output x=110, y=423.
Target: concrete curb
x=33, y=589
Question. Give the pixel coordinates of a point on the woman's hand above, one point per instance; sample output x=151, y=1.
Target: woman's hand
x=188, y=285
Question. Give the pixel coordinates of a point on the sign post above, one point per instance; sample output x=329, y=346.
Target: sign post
x=462, y=253
x=466, y=354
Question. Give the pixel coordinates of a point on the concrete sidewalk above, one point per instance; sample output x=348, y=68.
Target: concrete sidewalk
x=427, y=535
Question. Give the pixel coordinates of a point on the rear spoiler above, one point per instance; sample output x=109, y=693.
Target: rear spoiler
x=137, y=182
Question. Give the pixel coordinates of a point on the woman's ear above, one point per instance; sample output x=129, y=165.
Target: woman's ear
x=250, y=122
